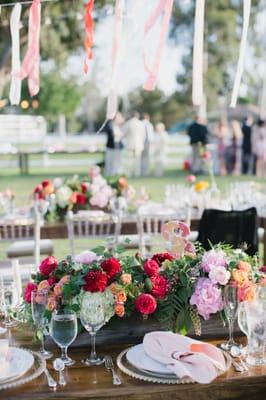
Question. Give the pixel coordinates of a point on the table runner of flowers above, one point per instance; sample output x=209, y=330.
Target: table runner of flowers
x=178, y=290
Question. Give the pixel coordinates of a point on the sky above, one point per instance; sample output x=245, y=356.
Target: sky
x=131, y=69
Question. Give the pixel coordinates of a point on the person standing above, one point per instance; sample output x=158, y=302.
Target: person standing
x=148, y=142
x=134, y=133
x=198, y=134
x=160, y=146
x=114, y=146
x=259, y=148
x=247, y=156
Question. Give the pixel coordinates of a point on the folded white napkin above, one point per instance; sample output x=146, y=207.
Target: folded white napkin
x=184, y=356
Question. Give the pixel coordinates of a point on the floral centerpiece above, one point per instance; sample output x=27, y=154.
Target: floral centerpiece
x=75, y=193
x=179, y=289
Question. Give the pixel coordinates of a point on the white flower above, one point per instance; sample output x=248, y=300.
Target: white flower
x=63, y=195
x=58, y=182
x=86, y=257
x=219, y=274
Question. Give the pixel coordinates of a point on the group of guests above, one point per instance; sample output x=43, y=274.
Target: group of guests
x=134, y=146
x=236, y=148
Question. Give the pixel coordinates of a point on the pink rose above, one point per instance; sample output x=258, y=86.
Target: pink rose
x=58, y=290
x=65, y=279
x=191, y=179
x=44, y=285
x=51, y=305
x=219, y=275
x=86, y=257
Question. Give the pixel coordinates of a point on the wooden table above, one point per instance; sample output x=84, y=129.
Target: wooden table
x=96, y=383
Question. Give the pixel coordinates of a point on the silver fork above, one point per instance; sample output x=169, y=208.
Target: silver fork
x=109, y=365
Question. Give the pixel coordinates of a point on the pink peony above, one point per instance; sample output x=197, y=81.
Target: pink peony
x=86, y=257
x=219, y=275
x=213, y=258
x=207, y=298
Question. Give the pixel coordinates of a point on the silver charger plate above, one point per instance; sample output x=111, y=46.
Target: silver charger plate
x=36, y=370
x=154, y=377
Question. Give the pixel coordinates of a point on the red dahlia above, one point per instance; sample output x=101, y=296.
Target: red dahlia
x=145, y=304
x=48, y=265
x=31, y=287
x=96, y=281
x=45, y=183
x=81, y=198
x=151, y=267
x=161, y=257
x=111, y=267
x=160, y=286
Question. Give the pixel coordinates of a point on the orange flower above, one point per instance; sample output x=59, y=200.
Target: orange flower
x=121, y=296
x=49, y=189
x=114, y=288
x=120, y=310
x=73, y=198
x=64, y=280
x=244, y=266
x=239, y=276
x=43, y=285
x=58, y=289
x=122, y=182
x=126, y=279
x=51, y=305
x=246, y=291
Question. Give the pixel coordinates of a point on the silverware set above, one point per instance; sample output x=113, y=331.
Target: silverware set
x=109, y=365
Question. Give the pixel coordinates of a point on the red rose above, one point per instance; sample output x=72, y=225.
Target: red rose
x=45, y=183
x=52, y=280
x=151, y=267
x=263, y=269
x=31, y=287
x=48, y=265
x=160, y=286
x=161, y=257
x=38, y=191
x=145, y=304
x=81, y=198
x=186, y=165
x=111, y=267
x=96, y=281
x=84, y=187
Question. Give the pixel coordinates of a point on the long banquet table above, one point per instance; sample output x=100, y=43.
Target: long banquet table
x=96, y=383
x=58, y=230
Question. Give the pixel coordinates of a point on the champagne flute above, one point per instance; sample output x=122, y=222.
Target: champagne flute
x=39, y=300
x=64, y=330
x=230, y=298
x=92, y=317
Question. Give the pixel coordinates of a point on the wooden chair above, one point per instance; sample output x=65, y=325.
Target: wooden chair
x=82, y=225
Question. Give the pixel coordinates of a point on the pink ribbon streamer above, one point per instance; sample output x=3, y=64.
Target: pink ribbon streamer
x=163, y=7
x=112, y=101
x=31, y=64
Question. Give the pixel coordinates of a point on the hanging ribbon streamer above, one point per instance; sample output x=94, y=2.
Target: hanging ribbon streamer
x=242, y=50
x=88, y=42
x=112, y=101
x=198, y=54
x=31, y=63
x=15, y=87
x=164, y=7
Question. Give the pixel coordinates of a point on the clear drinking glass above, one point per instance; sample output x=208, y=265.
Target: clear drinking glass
x=256, y=322
x=39, y=301
x=64, y=330
x=230, y=299
x=92, y=316
x=8, y=299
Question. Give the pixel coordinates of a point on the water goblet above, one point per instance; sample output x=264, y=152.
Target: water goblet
x=39, y=301
x=8, y=299
x=256, y=323
x=92, y=316
x=64, y=330
x=230, y=299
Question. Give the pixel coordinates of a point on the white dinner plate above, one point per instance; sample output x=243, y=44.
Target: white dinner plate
x=139, y=359
x=20, y=362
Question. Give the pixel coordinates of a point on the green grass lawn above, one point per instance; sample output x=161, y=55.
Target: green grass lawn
x=23, y=186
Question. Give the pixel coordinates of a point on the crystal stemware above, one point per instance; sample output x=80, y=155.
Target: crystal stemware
x=256, y=323
x=39, y=300
x=64, y=330
x=92, y=316
x=8, y=299
x=230, y=299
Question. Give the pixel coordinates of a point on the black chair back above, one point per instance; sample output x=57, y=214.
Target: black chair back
x=238, y=228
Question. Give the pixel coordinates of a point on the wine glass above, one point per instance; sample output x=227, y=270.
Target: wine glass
x=64, y=330
x=39, y=300
x=92, y=317
x=230, y=299
x=8, y=299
